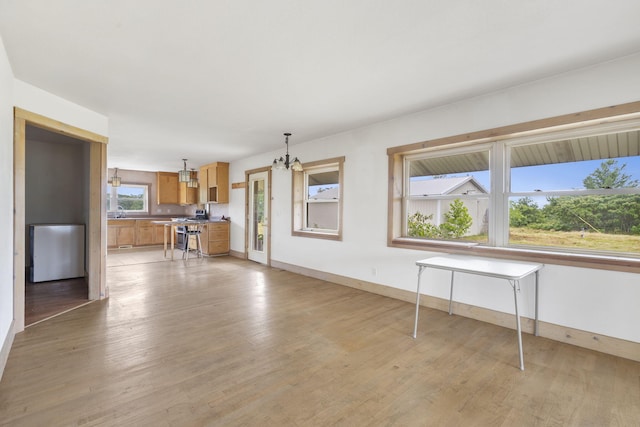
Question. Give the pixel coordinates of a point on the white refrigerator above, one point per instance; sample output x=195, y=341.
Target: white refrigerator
x=56, y=251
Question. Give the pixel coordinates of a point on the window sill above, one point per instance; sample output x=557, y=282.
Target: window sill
x=602, y=262
x=316, y=234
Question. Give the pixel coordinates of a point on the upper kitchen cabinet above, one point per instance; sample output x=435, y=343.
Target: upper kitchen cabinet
x=214, y=183
x=167, y=188
x=187, y=195
x=171, y=191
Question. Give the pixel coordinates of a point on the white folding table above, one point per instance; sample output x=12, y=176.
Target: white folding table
x=512, y=271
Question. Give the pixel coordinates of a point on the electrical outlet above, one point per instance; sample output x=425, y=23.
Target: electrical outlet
x=374, y=271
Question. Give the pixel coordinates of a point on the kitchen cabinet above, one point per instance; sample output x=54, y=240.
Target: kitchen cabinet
x=203, y=189
x=187, y=195
x=134, y=232
x=167, y=183
x=121, y=233
x=148, y=233
x=214, y=183
x=215, y=241
x=158, y=232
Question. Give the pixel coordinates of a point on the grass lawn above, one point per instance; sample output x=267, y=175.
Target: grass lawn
x=574, y=239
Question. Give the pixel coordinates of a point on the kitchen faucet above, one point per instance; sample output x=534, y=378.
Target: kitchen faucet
x=120, y=213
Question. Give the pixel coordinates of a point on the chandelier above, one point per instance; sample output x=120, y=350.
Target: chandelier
x=283, y=163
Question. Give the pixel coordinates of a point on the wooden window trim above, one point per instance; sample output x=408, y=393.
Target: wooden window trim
x=297, y=197
x=611, y=114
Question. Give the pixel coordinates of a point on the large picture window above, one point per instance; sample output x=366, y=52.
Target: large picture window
x=128, y=198
x=569, y=194
x=317, y=195
x=578, y=194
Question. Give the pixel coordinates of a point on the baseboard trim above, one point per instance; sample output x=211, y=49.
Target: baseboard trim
x=593, y=341
x=6, y=348
x=237, y=254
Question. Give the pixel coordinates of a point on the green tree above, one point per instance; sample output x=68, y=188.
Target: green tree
x=609, y=175
x=418, y=225
x=457, y=220
x=605, y=213
x=524, y=212
x=457, y=223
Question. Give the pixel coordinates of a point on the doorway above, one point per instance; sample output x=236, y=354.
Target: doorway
x=95, y=159
x=56, y=214
x=258, y=207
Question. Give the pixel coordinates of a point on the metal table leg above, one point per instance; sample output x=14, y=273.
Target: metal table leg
x=516, y=287
x=451, y=293
x=415, y=325
x=536, y=331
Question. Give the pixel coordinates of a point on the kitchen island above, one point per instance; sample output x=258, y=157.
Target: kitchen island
x=214, y=237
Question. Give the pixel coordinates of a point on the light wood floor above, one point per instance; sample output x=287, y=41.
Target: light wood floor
x=229, y=342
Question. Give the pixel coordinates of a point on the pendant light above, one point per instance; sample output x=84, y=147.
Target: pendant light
x=193, y=179
x=184, y=175
x=115, y=179
x=283, y=163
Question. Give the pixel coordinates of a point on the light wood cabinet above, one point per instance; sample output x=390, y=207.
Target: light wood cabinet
x=214, y=183
x=167, y=183
x=148, y=233
x=121, y=233
x=216, y=239
x=187, y=195
x=134, y=232
x=158, y=234
x=203, y=188
x=112, y=237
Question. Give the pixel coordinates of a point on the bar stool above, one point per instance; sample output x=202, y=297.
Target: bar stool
x=192, y=230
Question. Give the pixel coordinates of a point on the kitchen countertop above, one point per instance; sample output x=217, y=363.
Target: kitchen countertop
x=167, y=219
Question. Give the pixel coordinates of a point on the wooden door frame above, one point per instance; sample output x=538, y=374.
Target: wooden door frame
x=97, y=226
x=247, y=214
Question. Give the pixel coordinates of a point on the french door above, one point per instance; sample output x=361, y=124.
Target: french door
x=258, y=227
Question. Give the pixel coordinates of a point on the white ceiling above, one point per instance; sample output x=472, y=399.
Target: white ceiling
x=218, y=80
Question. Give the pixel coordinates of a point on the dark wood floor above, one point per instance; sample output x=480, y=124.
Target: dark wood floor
x=45, y=299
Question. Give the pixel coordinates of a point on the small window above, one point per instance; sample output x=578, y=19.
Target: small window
x=317, y=195
x=128, y=198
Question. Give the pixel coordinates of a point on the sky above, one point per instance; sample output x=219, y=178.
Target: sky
x=559, y=176
x=565, y=176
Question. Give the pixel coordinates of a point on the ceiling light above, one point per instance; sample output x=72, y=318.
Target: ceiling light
x=115, y=179
x=184, y=175
x=283, y=163
x=193, y=179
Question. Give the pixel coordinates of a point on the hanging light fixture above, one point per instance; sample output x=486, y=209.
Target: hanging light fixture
x=184, y=175
x=115, y=179
x=283, y=163
x=193, y=179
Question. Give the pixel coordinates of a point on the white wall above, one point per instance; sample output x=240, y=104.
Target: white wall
x=60, y=198
x=14, y=92
x=599, y=301
x=38, y=101
x=6, y=197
